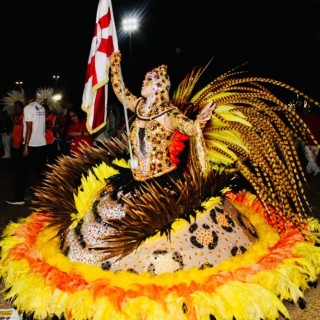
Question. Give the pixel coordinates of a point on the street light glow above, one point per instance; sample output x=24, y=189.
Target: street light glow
x=130, y=24
x=57, y=97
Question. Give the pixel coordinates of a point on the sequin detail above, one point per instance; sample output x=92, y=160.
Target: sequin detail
x=202, y=243
x=151, y=150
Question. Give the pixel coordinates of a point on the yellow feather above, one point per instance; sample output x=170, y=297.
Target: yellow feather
x=90, y=186
x=57, y=304
x=147, y=309
x=235, y=117
x=105, y=310
x=81, y=305
x=211, y=95
x=218, y=158
x=215, y=144
x=228, y=136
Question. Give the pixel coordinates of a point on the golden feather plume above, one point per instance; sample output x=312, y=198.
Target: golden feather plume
x=253, y=131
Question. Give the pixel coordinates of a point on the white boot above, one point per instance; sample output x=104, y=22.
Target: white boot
x=6, y=141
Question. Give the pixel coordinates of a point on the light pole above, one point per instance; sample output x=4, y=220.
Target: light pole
x=130, y=25
x=55, y=77
x=20, y=84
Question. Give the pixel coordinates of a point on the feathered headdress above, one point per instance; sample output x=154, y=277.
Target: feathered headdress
x=11, y=97
x=46, y=96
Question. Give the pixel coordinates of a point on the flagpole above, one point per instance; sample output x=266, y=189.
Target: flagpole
x=133, y=162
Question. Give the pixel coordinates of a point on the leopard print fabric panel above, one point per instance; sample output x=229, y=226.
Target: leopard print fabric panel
x=217, y=234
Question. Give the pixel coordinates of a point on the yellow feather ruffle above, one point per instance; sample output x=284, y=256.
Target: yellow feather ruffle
x=39, y=278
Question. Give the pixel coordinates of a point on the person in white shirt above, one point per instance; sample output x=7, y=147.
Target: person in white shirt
x=34, y=150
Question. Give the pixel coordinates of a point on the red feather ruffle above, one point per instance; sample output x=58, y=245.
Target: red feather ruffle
x=177, y=146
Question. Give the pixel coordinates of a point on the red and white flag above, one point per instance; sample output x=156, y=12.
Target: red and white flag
x=104, y=43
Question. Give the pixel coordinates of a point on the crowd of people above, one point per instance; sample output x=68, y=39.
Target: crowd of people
x=34, y=135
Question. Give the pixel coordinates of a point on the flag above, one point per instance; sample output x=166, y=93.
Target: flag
x=104, y=43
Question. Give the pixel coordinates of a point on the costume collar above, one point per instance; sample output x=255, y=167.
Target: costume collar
x=145, y=112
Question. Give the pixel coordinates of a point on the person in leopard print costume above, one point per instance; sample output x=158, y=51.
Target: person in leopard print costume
x=156, y=120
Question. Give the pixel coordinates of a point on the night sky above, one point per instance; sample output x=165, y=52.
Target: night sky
x=278, y=39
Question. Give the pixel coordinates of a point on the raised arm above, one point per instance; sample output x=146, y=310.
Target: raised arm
x=178, y=121
x=117, y=86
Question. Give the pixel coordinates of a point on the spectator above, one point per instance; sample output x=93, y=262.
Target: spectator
x=17, y=130
x=52, y=134
x=34, y=150
x=77, y=133
x=64, y=123
x=5, y=131
x=17, y=145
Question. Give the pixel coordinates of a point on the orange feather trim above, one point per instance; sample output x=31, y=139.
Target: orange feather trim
x=73, y=281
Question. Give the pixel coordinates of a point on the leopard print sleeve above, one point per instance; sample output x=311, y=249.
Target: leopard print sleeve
x=182, y=123
x=130, y=99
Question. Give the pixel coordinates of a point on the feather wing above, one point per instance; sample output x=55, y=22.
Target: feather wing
x=253, y=132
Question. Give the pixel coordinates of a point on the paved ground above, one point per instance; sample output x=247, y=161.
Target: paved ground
x=9, y=212
x=13, y=213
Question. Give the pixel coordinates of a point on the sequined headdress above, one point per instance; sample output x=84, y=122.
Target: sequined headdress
x=158, y=103
x=161, y=82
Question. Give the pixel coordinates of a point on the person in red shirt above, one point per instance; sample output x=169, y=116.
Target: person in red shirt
x=77, y=133
x=52, y=134
x=17, y=130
